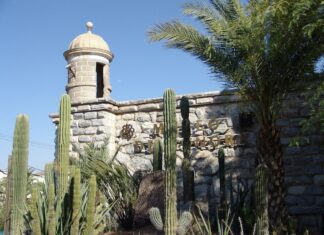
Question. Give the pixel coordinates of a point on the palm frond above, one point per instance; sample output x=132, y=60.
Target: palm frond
x=221, y=59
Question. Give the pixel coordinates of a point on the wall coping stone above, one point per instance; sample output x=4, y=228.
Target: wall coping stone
x=198, y=99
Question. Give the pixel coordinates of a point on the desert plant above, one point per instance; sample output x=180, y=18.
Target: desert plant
x=17, y=178
x=261, y=200
x=170, y=225
x=222, y=183
x=263, y=48
x=187, y=170
x=114, y=182
x=157, y=154
x=63, y=144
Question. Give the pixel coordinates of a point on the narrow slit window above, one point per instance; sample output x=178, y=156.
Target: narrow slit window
x=100, y=82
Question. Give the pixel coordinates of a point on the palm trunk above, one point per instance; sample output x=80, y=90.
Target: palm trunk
x=270, y=152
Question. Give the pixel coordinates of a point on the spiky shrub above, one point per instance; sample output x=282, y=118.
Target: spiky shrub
x=170, y=225
x=187, y=171
x=157, y=155
x=63, y=145
x=261, y=199
x=19, y=174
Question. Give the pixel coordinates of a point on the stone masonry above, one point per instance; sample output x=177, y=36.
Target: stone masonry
x=216, y=122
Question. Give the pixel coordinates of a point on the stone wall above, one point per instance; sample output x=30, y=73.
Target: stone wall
x=216, y=122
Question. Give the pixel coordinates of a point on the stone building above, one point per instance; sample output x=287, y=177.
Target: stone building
x=218, y=119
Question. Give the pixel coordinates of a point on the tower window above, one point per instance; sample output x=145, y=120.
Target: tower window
x=100, y=82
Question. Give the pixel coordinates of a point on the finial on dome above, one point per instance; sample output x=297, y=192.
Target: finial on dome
x=89, y=26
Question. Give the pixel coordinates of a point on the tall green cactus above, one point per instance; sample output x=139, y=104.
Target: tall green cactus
x=170, y=146
x=157, y=154
x=261, y=200
x=187, y=171
x=91, y=205
x=19, y=174
x=221, y=173
x=76, y=181
x=35, y=224
x=63, y=145
x=8, y=197
x=50, y=193
x=170, y=225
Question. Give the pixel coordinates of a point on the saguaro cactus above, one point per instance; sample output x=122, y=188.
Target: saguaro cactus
x=170, y=145
x=19, y=174
x=261, y=200
x=157, y=155
x=187, y=171
x=8, y=197
x=91, y=205
x=63, y=145
x=76, y=181
x=221, y=173
x=36, y=226
x=170, y=225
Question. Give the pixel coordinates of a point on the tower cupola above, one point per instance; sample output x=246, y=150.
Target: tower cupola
x=88, y=58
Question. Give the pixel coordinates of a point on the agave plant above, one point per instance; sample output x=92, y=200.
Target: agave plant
x=114, y=181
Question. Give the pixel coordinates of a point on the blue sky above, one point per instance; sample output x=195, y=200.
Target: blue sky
x=34, y=35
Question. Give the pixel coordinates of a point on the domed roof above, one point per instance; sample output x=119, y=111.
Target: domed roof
x=89, y=40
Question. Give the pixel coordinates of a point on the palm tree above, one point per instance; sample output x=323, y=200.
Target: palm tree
x=262, y=48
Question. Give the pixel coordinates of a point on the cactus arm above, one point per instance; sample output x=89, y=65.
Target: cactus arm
x=184, y=223
x=157, y=155
x=155, y=218
x=19, y=173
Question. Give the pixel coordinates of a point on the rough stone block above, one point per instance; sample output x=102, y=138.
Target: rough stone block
x=84, y=123
x=143, y=117
x=297, y=190
x=128, y=116
x=84, y=139
x=77, y=116
x=201, y=192
x=90, y=115
x=300, y=200
x=319, y=180
x=84, y=108
x=292, y=150
x=101, y=137
x=90, y=131
x=78, y=131
x=128, y=109
x=148, y=107
x=310, y=150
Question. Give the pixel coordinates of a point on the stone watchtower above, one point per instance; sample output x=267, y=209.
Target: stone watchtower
x=88, y=58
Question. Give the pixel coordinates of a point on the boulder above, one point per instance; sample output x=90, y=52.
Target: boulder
x=151, y=194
